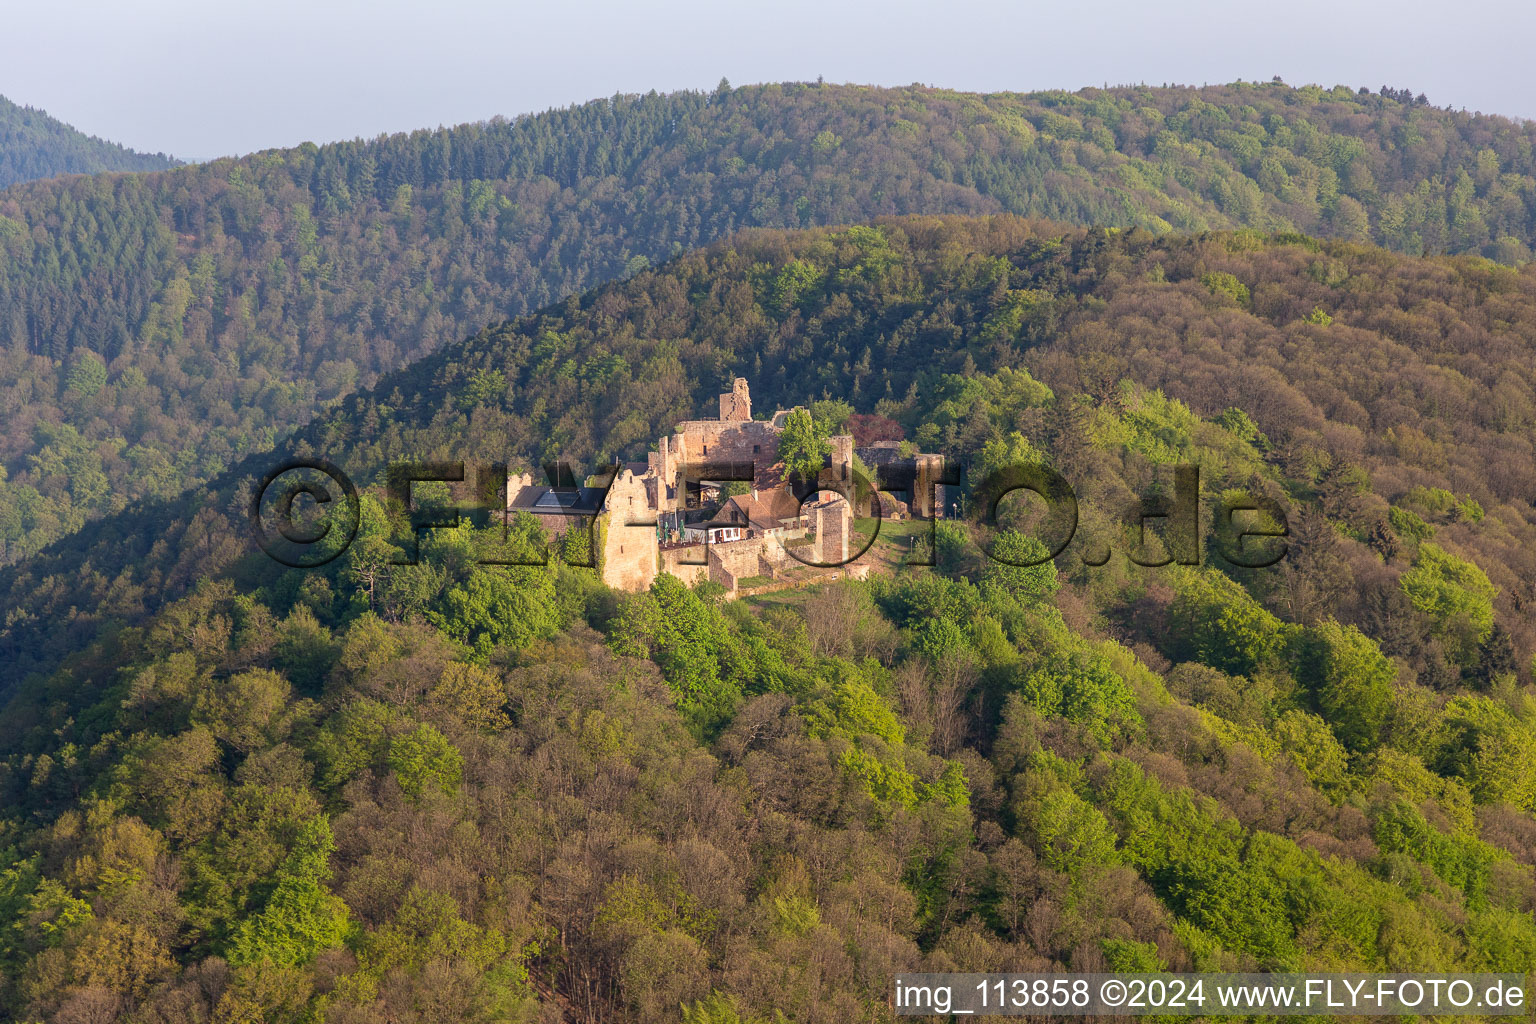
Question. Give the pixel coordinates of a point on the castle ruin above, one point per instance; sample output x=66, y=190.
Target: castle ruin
x=654, y=519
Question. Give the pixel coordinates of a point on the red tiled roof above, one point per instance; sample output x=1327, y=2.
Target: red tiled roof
x=767, y=511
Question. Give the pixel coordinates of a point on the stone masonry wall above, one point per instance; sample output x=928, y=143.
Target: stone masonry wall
x=831, y=519
x=685, y=563
x=737, y=403
x=629, y=551
x=754, y=441
x=735, y=560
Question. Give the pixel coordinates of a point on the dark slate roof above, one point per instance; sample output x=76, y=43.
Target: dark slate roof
x=562, y=501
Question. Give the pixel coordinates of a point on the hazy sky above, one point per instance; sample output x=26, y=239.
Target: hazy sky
x=200, y=79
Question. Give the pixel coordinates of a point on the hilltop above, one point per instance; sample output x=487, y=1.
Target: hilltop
x=237, y=790
x=1368, y=373
x=34, y=145
x=156, y=328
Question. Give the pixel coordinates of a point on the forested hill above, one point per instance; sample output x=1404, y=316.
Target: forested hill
x=34, y=145
x=1369, y=374
x=153, y=329
x=470, y=792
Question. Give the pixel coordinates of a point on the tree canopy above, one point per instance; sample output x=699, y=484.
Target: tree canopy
x=234, y=300
x=235, y=790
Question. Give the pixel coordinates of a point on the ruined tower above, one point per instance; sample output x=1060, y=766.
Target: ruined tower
x=736, y=405
x=831, y=520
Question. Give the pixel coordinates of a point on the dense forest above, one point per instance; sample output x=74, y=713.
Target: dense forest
x=34, y=145
x=156, y=328
x=464, y=792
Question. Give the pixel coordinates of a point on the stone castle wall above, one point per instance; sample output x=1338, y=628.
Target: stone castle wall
x=842, y=457
x=630, y=550
x=737, y=403
x=831, y=520
x=700, y=441
x=737, y=560
x=516, y=484
x=686, y=563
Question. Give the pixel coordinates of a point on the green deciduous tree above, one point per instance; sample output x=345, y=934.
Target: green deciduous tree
x=87, y=374
x=1351, y=681
x=1029, y=584
x=1457, y=594
x=301, y=917
x=508, y=606
x=424, y=758
x=803, y=445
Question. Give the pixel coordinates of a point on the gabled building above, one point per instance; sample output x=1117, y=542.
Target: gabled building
x=771, y=513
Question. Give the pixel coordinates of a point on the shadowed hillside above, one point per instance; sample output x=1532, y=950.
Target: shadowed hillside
x=154, y=329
